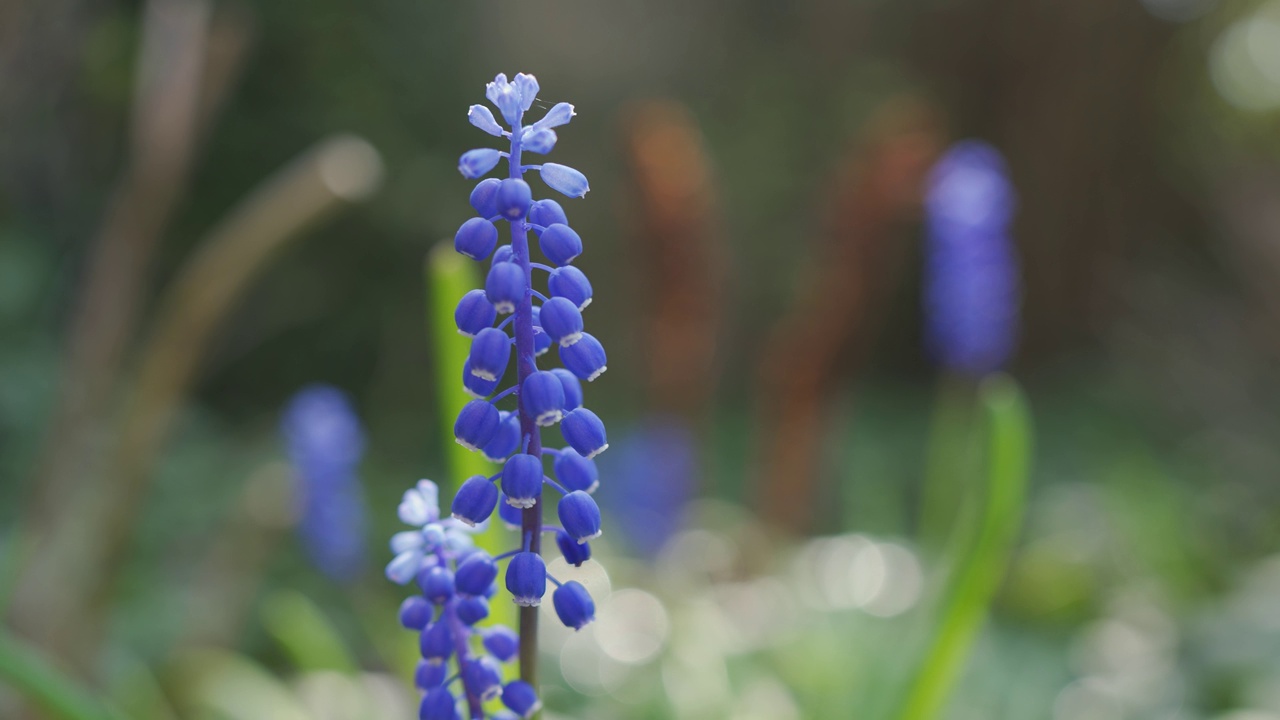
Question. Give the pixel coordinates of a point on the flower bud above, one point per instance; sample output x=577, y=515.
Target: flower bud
x=439, y=704
x=471, y=610
x=561, y=178
x=436, y=642
x=429, y=675
x=558, y=115
x=484, y=198
x=477, y=387
x=505, y=286
x=570, y=283
x=506, y=440
x=576, y=472
x=502, y=643
x=481, y=117
x=560, y=243
x=513, y=198
x=476, y=238
x=574, y=605
x=476, y=424
x=527, y=579
x=482, y=678
x=574, y=552
x=547, y=213
x=490, y=354
x=572, y=388
x=436, y=583
x=562, y=320
x=475, y=163
x=580, y=516
x=584, y=358
x=522, y=480
x=542, y=397
x=475, y=574
x=415, y=612
x=538, y=140
x=475, y=500
x=474, y=312
x=584, y=432
x=520, y=697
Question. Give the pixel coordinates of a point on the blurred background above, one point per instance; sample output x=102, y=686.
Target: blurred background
x=226, y=350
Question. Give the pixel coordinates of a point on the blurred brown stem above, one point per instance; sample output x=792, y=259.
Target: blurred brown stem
x=876, y=189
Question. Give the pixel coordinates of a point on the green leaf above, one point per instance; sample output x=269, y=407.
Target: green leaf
x=27, y=671
x=982, y=546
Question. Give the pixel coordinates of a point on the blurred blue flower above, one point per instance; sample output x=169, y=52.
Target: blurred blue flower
x=652, y=479
x=971, y=284
x=325, y=443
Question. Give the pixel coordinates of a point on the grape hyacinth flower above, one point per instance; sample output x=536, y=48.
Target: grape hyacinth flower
x=325, y=442
x=502, y=319
x=972, y=289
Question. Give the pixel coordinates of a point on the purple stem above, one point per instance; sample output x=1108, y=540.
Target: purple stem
x=531, y=518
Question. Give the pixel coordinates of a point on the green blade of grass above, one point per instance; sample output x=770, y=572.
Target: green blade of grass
x=24, y=669
x=981, y=549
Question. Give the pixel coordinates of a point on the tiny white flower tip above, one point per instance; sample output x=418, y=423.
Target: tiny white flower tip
x=464, y=521
x=549, y=418
x=583, y=541
x=527, y=602
x=466, y=444
x=569, y=340
x=505, y=308
x=584, y=304
x=522, y=503
x=600, y=450
x=597, y=373
x=484, y=374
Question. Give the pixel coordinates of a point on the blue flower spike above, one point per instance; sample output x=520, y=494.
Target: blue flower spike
x=457, y=581
x=971, y=289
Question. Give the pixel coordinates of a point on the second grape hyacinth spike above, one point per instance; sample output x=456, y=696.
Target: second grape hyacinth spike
x=504, y=319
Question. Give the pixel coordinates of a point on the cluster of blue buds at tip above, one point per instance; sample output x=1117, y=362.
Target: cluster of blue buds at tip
x=971, y=285
x=325, y=443
x=457, y=579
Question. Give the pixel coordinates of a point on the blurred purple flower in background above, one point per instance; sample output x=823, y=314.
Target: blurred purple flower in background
x=651, y=480
x=971, y=284
x=325, y=443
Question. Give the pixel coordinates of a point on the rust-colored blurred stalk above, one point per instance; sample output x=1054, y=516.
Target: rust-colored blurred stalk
x=857, y=259
x=81, y=562
x=680, y=256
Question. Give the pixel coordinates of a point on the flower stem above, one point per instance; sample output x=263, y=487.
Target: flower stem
x=531, y=518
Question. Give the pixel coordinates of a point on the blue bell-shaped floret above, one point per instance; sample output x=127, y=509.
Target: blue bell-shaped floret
x=415, y=612
x=490, y=354
x=522, y=480
x=527, y=579
x=575, y=553
x=484, y=198
x=476, y=163
x=476, y=424
x=562, y=320
x=475, y=500
x=574, y=605
x=580, y=516
x=542, y=398
x=584, y=432
x=474, y=313
x=560, y=243
x=502, y=642
x=506, y=440
x=520, y=697
x=547, y=213
x=585, y=358
x=561, y=178
x=576, y=472
x=476, y=238
x=475, y=574
x=570, y=283
x=513, y=198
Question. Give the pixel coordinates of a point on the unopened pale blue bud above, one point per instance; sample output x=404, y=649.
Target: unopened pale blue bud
x=539, y=140
x=563, y=179
x=506, y=97
x=559, y=114
x=476, y=163
x=481, y=117
x=527, y=86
